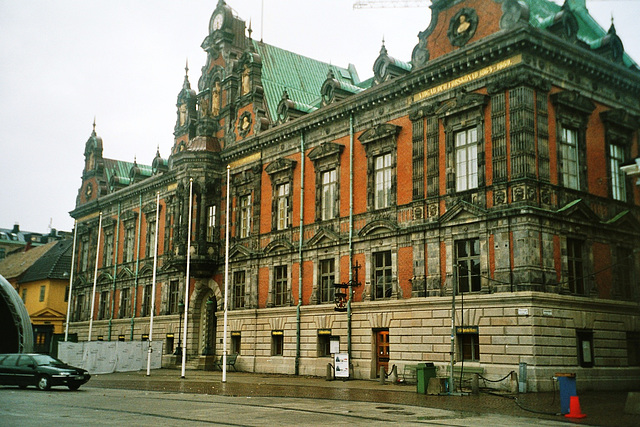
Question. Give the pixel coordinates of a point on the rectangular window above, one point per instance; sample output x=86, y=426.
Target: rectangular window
x=329, y=184
x=211, y=223
x=174, y=292
x=569, y=155
x=146, y=302
x=108, y=249
x=125, y=302
x=382, y=180
x=238, y=289
x=469, y=347
x=236, y=341
x=585, y=348
x=616, y=159
x=327, y=279
x=280, y=285
x=84, y=254
x=24, y=294
x=324, y=344
x=277, y=343
x=575, y=267
x=66, y=293
x=79, y=311
x=282, y=214
x=466, y=159
x=43, y=290
x=245, y=216
x=103, y=309
x=129, y=244
x=151, y=239
x=382, y=274
x=468, y=265
x=633, y=348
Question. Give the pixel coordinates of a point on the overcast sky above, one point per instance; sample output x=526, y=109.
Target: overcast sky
x=64, y=62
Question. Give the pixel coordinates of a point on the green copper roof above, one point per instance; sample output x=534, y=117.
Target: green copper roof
x=301, y=76
x=542, y=13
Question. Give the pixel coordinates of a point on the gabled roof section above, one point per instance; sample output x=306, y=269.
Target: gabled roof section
x=578, y=209
x=118, y=172
x=463, y=210
x=590, y=32
x=54, y=264
x=15, y=265
x=302, y=77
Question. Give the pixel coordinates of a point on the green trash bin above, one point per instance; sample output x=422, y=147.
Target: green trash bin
x=424, y=372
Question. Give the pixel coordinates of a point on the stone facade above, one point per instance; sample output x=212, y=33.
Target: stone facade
x=488, y=169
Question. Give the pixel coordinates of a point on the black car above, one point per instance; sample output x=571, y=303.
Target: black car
x=40, y=370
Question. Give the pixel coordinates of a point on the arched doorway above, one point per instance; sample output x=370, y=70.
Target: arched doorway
x=208, y=322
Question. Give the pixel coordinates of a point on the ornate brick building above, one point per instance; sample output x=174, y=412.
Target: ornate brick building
x=488, y=166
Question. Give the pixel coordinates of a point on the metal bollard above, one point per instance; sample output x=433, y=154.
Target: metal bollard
x=513, y=382
x=475, y=384
x=383, y=375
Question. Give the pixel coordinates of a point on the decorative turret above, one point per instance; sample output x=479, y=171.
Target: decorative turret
x=386, y=68
x=92, y=152
x=186, y=112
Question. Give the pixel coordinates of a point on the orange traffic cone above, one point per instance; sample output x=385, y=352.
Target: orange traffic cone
x=574, y=408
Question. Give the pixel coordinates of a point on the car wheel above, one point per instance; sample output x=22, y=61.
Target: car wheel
x=73, y=387
x=43, y=383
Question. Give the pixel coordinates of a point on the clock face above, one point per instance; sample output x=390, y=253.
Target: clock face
x=217, y=22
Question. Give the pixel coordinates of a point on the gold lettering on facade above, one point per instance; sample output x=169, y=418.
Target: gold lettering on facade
x=466, y=78
x=245, y=160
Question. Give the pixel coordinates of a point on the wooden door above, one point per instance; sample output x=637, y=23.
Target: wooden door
x=382, y=350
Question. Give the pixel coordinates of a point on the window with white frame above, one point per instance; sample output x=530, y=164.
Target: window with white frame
x=211, y=223
x=468, y=265
x=616, y=159
x=327, y=275
x=245, y=216
x=238, y=289
x=280, y=285
x=129, y=243
x=466, y=149
x=103, y=309
x=575, y=267
x=569, y=153
x=382, y=177
x=282, y=206
x=329, y=184
x=125, y=302
x=382, y=275
x=151, y=237
x=108, y=248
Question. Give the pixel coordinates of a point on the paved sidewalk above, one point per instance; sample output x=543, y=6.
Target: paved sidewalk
x=601, y=408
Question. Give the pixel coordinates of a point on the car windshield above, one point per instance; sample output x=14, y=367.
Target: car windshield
x=43, y=359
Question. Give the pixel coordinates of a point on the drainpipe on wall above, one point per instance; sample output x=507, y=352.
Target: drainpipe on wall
x=135, y=288
x=298, y=307
x=115, y=270
x=350, y=237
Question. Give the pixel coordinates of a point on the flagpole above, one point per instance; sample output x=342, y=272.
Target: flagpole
x=186, y=285
x=153, y=286
x=95, y=279
x=73, y=261
x=226, y=284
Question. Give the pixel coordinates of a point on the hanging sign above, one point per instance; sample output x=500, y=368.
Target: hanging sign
x=342, y=365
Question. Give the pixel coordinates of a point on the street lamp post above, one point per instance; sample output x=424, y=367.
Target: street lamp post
x=178, y=351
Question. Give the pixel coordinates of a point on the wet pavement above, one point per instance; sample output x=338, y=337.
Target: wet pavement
x=601, y=408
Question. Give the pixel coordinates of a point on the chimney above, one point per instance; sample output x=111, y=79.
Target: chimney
x=16, y=228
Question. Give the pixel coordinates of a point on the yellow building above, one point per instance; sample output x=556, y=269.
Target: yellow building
x=41, y=278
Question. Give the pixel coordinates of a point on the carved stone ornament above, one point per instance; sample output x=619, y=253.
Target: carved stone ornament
x=420, y=54
x=514, y=12
x=433, y=210
x=500, y=197
x=244, y=124
x=518, y=193
x=462, y=26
